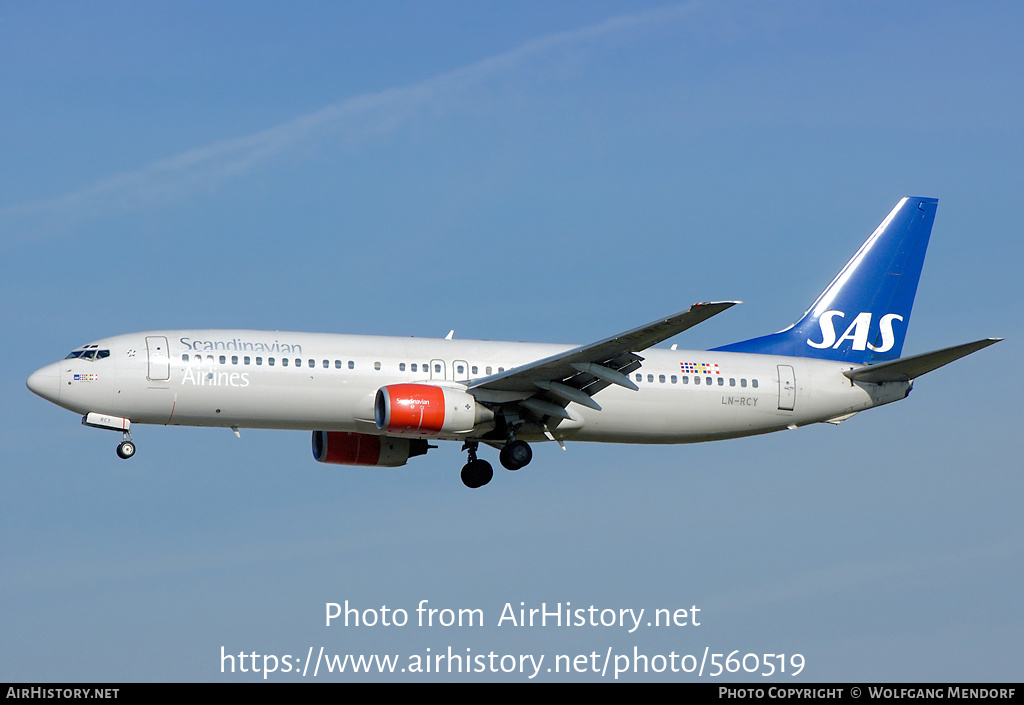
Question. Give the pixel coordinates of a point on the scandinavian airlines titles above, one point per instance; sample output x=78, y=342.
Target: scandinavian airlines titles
x=211, y=378
x=237, y=344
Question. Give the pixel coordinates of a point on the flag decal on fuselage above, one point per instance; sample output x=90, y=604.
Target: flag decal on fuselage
x=699, y=368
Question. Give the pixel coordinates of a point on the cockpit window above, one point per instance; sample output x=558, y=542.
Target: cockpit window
x=90, y=353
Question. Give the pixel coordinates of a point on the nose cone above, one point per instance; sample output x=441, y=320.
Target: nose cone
x=46, y=382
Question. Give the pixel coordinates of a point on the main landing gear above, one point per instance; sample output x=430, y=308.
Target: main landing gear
x=515, y=455
x=477, y=473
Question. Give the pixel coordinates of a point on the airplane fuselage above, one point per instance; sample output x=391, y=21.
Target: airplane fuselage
x=308, y=381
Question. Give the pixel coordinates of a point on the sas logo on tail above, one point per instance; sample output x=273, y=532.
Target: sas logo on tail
x=857, y=332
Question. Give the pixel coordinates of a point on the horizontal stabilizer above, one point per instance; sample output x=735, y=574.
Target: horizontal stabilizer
x=908, y=368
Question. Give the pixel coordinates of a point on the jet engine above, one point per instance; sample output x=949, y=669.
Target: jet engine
x=341, y=448
x=426, y=410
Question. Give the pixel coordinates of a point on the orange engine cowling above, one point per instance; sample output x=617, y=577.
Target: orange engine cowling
x=425, y=410
x=342, y=448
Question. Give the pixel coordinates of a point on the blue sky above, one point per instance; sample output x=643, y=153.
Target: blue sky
x=524, y=171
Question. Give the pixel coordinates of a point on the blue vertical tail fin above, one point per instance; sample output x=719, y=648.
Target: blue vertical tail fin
x=862, y=316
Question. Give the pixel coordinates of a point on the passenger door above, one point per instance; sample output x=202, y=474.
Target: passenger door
x=159, y=359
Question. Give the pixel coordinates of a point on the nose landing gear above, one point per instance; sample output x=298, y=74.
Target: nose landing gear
x=126, y=448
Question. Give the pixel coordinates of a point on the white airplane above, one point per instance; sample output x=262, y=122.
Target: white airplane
x=378, y=401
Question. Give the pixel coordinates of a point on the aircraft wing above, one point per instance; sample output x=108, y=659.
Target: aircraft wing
x=546, y=386
x=908, y=368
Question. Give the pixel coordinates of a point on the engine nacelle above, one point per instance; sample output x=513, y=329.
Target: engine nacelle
x=426, y=410
x=342, y=448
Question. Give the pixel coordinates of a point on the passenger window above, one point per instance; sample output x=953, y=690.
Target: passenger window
x=298, y=362
x=743, y=382
x=337, y=364
x=312, y=363
x=376, y=366
x=661, y=378
x=327, y=364
x=437, y=368
x=234, y=359
x=461, y=370
x=753, y=383
x=686, y=379
x=246, y=359
x=474, y=370
x=708, y=381
x=351, y=364
x=487, y=371
x=674, y=379
x=500, y=370
x=401, y=367
x=721, y=381
x=284, y=362
x=696, y=380
x=639, y=377
x=223, y=360
x=732, y=381
x=184, y=357
x=259, y=360
x=412, y=367
x=270, y=361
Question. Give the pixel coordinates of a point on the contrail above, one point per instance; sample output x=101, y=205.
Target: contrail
x=353, y=119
